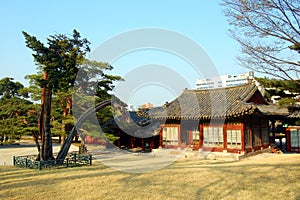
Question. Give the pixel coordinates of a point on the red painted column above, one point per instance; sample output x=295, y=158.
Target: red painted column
x=243, y=135
x=151, y=143
x=179, y=136
x=251, y=134
x=160, y=137
x=288, y=140
x=143, y=144
x=225, y=135
x=201, y=135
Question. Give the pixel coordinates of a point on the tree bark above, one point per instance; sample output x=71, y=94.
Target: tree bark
x=67, y=111
x=47, y=150
x=41, y=119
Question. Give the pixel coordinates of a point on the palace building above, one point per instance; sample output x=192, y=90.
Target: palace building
x=232, y=119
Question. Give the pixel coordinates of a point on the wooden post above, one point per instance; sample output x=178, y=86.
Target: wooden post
x=288, y=140
x=260, y=134
x=251, y=134
x=39, y=165
x=201, y=135
x=152, y=143
x=179, y=136
x=160, y=137
x=251, y=138
x=280, y=140
x=243, y=136
x=14, y=160
x=225, y=135
x=91, y=158
x=272, y=139
x=143, y=144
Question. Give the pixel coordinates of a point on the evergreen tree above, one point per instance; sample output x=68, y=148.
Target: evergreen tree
x=58, y=66
x=58, y=62
x=18, y=116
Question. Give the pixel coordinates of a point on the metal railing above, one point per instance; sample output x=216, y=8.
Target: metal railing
x=71, y=160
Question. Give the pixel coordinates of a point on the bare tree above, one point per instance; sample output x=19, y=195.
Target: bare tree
x=269, y=34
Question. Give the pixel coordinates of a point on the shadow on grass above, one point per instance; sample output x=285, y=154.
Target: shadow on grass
x=190, y=179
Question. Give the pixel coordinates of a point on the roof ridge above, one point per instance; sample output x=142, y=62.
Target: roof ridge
x=246, y=96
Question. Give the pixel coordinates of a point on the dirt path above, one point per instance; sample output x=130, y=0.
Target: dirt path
x=7, y=152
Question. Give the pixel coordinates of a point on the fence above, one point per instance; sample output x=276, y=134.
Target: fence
x=71, y=160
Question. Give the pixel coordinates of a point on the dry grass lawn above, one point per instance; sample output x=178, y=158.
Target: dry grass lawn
x=263, y=177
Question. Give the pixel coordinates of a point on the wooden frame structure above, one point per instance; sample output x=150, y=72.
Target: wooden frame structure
x=240, y=126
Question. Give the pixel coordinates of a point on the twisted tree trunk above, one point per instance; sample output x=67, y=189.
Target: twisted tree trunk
x=66, y=146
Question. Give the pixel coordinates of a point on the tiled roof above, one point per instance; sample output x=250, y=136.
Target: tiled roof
x=216, y=103
x=295, y=114
x=272, y=110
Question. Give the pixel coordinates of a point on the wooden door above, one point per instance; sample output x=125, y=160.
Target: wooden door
x=194, y=140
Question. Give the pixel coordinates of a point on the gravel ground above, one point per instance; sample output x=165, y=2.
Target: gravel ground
x=23, y=148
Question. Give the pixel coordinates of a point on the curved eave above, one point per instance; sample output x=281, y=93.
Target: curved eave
x=272, y=110
x=295, y=115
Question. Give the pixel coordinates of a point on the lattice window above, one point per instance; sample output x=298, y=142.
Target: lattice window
x=170, y=135
x=295, y=138
x=234, y=139
x=213, y=136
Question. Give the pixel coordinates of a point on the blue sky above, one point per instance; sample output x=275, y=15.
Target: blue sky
x=202, y=21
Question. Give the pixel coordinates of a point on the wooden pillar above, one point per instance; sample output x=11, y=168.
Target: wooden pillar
x=243, y=135
x=280, y=140
x=251, y=138
x=160, y=137
x=201, y=135
x=260, y=134
x=152, y=143
x=272, y=138
x=190, y=138
x=250, y=134
x=225, y=135
x=131, y=142
x=288, y=140
x=179, y=136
